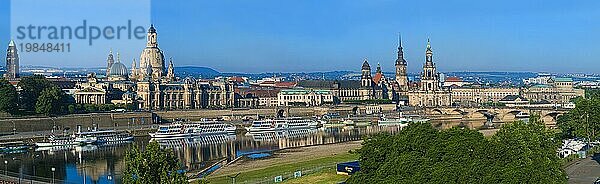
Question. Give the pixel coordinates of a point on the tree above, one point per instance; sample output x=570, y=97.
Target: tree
x=31, y=88
x=584, y=120
x=519, y=153
x=8, y=97
x=51, y=101
x=153, y=165
x=526, y=153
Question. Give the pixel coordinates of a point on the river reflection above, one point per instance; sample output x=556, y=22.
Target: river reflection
x=104, y=163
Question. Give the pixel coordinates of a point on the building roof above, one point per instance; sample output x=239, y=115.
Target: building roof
x=329, y=84
x=118, y=69
x=513, y=98
x=453, y=79
x=285, y=84
x=303, y=91
x=563, y=79
x=236, y=79
x=377, y=78
x=365, y=65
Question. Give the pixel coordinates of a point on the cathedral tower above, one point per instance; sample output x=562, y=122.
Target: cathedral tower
x=401, y=74
x=429, y=77
x=12, y=61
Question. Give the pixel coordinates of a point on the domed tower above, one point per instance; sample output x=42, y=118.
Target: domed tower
x=152, y=56
x=401, y=74
x=118, y=71
x=366, y=79
x=429, y=77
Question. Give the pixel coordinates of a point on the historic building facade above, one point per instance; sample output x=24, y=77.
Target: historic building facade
x=368, y=88
x=477, y=95
x=555, y=91
x=12, y=61
x=151, y=86
x=304, y=97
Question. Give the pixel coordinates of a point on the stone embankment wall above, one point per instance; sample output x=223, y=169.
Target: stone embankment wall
x=103, y=120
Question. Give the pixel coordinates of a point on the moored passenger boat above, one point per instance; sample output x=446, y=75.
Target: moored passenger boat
x=181, y=129
x=56, y=141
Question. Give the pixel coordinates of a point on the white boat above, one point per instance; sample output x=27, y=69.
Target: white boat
x=401, y=121
x=57, y=141
x=102, y=136
x=85, y=139
x=189, y=129
x=281, y=124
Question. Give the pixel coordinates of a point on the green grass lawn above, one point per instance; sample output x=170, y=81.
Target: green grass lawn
x=326, y=176
x=269, y=173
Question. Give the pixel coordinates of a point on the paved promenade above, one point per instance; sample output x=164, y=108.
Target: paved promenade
x=584, y=171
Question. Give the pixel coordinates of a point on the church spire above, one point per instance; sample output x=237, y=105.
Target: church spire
x=400, y=60
x=378, y=68
x=428, y=54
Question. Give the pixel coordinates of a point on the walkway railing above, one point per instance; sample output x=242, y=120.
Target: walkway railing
x=12, y=177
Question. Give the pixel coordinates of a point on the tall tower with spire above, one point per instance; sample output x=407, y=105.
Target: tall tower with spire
x=134, y=72
x=429, y=77
x=109, y=62
x=401, y=74
x=12, y=61
x=366, y=79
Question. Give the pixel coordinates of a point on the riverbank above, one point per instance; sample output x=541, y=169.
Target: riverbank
x=285, y=162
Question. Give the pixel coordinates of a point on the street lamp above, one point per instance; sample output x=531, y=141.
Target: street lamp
x=53, y=169
x=6, y=167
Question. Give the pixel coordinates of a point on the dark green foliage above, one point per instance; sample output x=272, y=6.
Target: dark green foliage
x=32, y=87
x=8, y=97
x=153, y=165
x=518, y=153
x=584, y=120
x=51, y=101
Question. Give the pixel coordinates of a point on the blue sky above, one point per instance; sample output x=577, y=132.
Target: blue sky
x=325, y=35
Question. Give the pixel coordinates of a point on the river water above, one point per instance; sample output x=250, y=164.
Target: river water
x=104, y=163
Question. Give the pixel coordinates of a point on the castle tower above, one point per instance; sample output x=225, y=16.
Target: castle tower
x=109, y=62
x=12, y=61
x=366, y=79
x=171, y=71
x=401, y=74
x=152, y=56
x=429, y=77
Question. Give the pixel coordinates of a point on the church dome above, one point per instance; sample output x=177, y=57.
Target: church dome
x=365, y=65
x=118, y=69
